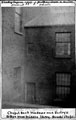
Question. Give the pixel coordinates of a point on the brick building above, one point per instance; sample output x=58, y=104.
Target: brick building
x=38, y=55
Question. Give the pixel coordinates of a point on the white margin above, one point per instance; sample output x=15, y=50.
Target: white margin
x=9, y=5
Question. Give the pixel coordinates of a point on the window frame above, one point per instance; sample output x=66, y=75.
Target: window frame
x=63, y=86
x=63, y=56
x=20, y=24
x=17, y=71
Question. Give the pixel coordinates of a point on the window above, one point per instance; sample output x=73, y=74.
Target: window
x=18, y=19
x=63, y=84
x=17, y=78
x=63, y=45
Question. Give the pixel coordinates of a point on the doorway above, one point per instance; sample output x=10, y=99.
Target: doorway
x=30, y=90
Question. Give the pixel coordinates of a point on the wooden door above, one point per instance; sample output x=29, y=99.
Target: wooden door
x=30, y=92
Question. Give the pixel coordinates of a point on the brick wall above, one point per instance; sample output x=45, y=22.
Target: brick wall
x=41, y=60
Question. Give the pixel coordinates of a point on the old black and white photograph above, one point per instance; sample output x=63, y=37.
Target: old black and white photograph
x=39, y=57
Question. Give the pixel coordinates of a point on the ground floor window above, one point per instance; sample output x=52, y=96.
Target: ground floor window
x=63, y=84
x=17, y=78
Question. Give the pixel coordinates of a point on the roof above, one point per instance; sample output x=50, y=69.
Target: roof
x=53, y=16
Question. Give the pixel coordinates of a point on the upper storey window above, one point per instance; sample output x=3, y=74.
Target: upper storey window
x=63, y=45
x=18, y=19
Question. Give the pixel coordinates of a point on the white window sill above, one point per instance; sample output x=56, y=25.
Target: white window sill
x=19, y=33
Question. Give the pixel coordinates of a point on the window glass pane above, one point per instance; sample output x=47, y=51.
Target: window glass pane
x=58, y=90
x=62, y=91
x=17, y=78
x=63, y=79
x=63, y=37
x=17, y=23
x=62, y=49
